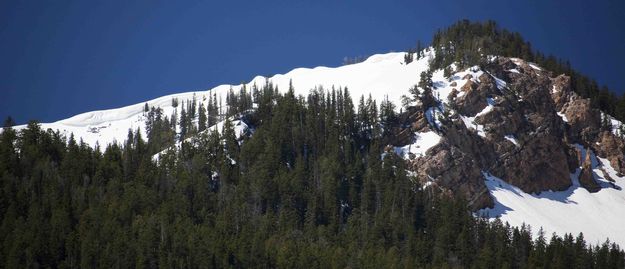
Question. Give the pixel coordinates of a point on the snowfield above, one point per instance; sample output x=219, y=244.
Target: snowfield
x=597, y=215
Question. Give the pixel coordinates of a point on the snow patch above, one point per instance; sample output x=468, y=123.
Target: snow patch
x=423, y=142
x=501, y=84
x=433, y=115
x=442, y=85
x=514, y=70
x=562, y=116
x=512, y=139
x=470, y=121
x=617, y=126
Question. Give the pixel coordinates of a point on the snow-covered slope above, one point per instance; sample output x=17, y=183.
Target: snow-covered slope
x=380, y=75
x=597, y=215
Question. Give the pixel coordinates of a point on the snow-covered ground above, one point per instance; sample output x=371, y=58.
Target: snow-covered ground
x=617, y=126
x=423, y=142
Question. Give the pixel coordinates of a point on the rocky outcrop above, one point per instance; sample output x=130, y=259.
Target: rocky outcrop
x=561, y=91
x=413, y=119
x=475, y=94
x=584, y=121
x=612, y=148
x=540, y=164
x=586, y=177
x=527, y=137
x=455, y=170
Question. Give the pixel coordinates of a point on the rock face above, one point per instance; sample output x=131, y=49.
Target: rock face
x=516, y=122
x=612, y=148
x=586, y=178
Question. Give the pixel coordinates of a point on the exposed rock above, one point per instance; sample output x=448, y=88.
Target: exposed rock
x=612, y=148
x=411, y=121
x=561, y=91
x=587, y=178
x=455, y=170
x=524, y=140
x=503, y=121
x=541, y=164
x=584, y=121
x=453, y=94
x=474, y=98
x=506, y=63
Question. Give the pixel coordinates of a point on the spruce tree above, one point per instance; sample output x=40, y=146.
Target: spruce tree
x=202, y=119
x=183, y=124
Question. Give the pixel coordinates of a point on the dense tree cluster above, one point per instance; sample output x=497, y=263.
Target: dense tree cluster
x=311, y=188
x=468, y=43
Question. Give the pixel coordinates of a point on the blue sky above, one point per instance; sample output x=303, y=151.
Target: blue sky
x=61, y=58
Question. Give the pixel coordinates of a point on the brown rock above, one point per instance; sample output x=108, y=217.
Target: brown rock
x=506, y=63
x=412, y=120
x=612, y=148
x=454, y=170
x=474, y=99
x=453, y=94
x=561, y=91
x=541, y=164
x=584, y=121
x=587, y=178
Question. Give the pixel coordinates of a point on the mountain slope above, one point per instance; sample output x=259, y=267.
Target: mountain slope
x=498, y=134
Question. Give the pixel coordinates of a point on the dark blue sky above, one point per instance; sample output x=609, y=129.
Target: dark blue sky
x=60, y=58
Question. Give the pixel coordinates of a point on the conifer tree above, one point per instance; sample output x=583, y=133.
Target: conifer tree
x=202, y=119
x=183, y=124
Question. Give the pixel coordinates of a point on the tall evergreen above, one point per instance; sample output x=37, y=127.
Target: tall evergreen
x=202, y=118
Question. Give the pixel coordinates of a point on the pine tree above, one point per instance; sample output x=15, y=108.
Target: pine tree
x=183, y=124
x=230, y=138
x=192, y=108
x=387, y=116
x=9, y=161
x=202, y=119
